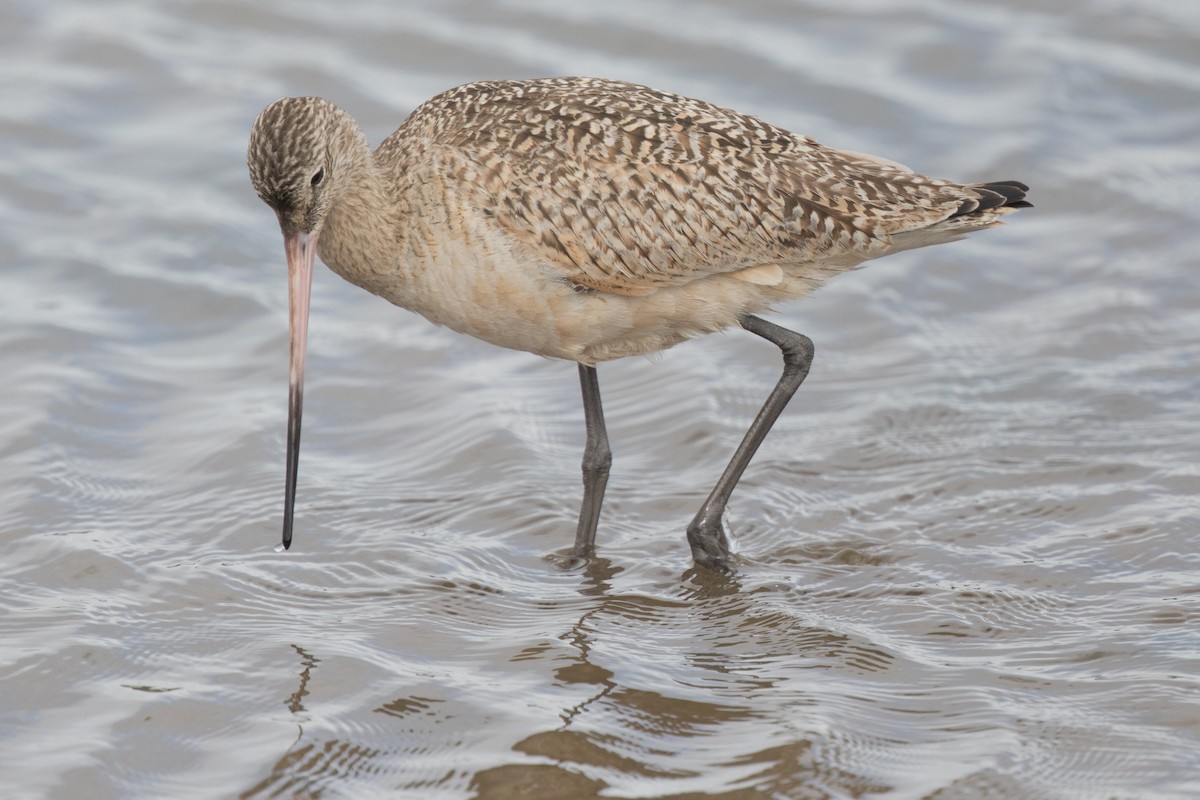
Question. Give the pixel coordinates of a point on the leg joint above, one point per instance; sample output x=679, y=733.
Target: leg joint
x=597, y=459
x=798, y=350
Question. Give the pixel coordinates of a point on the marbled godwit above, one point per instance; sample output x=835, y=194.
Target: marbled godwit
x=588, y=220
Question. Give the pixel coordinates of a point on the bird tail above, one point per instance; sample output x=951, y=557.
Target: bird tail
x=983, y=209
x=995, y=197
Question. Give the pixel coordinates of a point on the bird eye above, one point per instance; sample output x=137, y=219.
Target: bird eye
x=318, y=176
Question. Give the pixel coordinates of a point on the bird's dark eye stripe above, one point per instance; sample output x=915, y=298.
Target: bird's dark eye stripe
x=318, y=176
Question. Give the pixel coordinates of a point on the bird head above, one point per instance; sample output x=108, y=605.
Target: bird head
x=301, y=156
x=293, y=155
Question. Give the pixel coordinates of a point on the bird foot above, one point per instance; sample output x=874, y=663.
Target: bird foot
x=710, y=547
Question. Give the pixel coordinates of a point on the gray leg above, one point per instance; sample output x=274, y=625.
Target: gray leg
x=597, y=457
x=709, y=545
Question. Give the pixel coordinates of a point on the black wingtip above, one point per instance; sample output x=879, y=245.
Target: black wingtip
x=995, y=194
x=1010, y=193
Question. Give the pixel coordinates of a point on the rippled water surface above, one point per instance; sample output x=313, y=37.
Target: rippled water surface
x=968, y=549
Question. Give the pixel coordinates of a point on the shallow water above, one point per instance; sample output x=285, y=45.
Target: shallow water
x=968, y=562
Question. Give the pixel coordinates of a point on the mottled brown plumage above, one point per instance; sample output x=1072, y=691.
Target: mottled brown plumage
x=534, y=191
x=591, y=219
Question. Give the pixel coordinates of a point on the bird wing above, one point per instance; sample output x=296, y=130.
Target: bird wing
x=626, y=189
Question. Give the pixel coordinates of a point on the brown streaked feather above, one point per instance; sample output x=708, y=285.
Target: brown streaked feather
x=626, y=189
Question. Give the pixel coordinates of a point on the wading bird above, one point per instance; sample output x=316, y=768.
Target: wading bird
x=588, y=220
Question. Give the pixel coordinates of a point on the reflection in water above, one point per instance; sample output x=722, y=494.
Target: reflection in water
x=295, y=702
x=617, y=729
x=305, y=765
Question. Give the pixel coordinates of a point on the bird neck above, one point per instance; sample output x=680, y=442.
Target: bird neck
x=359, y=238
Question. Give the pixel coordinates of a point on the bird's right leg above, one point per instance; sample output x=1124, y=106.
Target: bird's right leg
x=709, y=545
x=597, y=458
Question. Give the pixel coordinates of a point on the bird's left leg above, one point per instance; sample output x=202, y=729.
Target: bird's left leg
x=710, y=548
x=597, y=458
